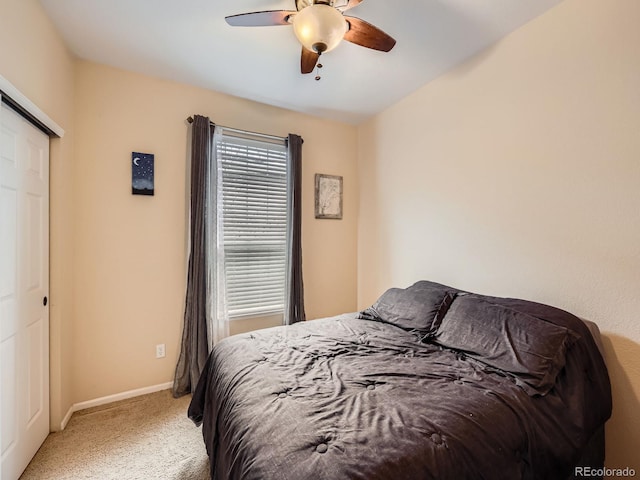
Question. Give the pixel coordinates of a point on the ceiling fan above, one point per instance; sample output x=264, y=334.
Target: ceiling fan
x=319, y=25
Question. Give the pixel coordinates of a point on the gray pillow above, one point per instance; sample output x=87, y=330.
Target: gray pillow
x=528, y=348
x=420, y=307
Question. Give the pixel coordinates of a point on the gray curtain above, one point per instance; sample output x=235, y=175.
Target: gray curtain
x=195, y=346
x=294, y=302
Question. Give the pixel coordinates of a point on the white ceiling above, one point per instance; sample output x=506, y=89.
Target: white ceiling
x=189, y=41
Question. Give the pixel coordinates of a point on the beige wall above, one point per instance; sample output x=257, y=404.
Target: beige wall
x=117, y=261
x=35, y=60
x=518, y=174
x=130, y=250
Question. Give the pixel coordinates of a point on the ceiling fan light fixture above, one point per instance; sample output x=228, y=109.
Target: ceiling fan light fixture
x=319, y=28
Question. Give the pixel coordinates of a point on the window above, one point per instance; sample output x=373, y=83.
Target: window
x=252, y=207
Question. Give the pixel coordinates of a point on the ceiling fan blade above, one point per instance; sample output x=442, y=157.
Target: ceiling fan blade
x=308, y=60
x=300, y=4
x=364, y=34
x=351, y=4
x=260, y=19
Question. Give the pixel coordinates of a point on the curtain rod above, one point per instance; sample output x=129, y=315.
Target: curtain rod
x=274, y=137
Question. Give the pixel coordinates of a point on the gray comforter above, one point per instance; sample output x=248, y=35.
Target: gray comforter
x=348, y=398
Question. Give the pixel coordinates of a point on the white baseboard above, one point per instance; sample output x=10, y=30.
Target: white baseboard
x=96, y=402
x=66, y=418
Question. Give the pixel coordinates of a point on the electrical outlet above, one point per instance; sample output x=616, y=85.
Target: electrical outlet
x=160, y=350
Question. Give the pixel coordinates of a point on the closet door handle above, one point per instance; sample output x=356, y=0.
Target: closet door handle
x=44, y=301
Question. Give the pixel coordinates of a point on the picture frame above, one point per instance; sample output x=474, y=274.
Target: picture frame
x=142, y=173
x=328, y=196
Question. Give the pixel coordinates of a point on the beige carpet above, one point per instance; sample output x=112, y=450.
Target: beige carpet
x=147, y=437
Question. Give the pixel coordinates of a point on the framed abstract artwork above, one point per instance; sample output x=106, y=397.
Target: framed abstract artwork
x=328, y=196
x=142, y=171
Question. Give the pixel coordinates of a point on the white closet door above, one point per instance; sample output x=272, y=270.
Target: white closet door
x=24, y=285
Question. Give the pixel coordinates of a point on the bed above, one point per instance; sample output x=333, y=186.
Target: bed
x=429, y=383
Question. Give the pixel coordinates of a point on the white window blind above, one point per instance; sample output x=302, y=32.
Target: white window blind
x=254, y=219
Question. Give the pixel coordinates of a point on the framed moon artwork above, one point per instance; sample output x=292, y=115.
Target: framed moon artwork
x=142, y=173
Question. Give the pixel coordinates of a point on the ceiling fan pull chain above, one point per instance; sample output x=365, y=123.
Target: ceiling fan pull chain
x=318, y=67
